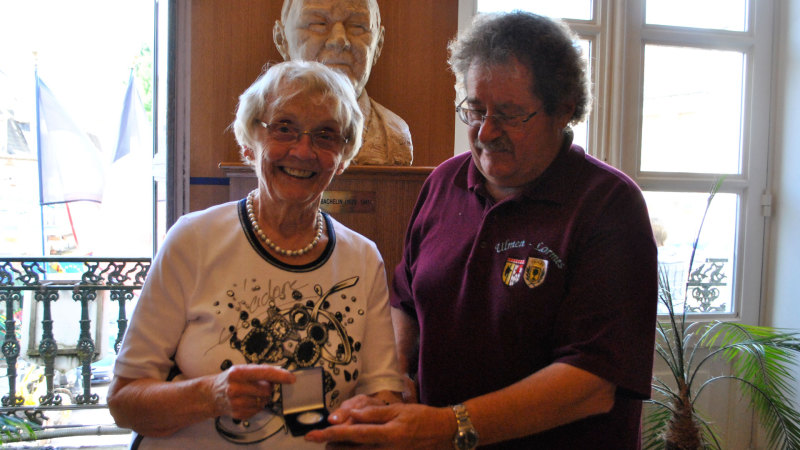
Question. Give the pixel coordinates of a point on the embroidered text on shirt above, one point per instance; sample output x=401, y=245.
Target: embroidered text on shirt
x=550, y=254
x=507, y=245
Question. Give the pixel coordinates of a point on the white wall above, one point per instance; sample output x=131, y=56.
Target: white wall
x=782, y=306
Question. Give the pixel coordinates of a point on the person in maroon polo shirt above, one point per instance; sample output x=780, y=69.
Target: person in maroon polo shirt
x=525, y=303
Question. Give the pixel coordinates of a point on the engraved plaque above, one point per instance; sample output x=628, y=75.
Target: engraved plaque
x=348, y=202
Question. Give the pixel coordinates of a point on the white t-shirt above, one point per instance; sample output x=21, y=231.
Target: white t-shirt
x=214, y=297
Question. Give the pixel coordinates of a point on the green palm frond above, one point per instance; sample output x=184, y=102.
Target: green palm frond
x=655, y=424
x=776, y=414
x=13, y=429
x=709, y=434
x=760, y=359
x=663, y=388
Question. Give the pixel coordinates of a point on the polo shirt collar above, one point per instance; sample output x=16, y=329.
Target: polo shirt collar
x=551, y=185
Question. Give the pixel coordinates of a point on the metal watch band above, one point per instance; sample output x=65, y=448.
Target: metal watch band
x=466, y=437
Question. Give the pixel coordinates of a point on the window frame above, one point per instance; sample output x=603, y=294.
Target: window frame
x=174, y=89
x=750, y=185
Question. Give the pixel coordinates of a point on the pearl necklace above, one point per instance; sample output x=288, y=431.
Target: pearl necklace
x=254, y=223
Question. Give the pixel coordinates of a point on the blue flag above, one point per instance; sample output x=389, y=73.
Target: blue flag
x=70, y=165
x=129, y=186
x=134, y=127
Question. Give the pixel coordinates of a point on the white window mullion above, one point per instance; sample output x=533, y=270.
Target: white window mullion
x=756, y=136
x=627, y=86
x=597, y=32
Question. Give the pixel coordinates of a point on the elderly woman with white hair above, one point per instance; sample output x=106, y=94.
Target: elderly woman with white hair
x=246, y=296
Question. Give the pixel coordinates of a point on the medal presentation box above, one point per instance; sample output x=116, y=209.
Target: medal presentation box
x=375, y=201
x=304, y=402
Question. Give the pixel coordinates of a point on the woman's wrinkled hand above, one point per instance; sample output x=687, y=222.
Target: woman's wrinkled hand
x=244, y=390
x=410, y=390
x=342, y=414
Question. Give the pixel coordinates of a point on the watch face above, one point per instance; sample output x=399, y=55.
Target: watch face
x=466, y=439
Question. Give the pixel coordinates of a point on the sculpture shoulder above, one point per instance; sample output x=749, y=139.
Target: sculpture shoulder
x=389, y=118
x=387, y=138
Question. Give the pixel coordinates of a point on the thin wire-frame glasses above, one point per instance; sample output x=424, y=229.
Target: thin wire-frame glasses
x=475, y=118
x=285, y=132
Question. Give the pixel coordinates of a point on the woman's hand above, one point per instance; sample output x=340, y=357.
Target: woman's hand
x=342, y=414
x=410, y=391
x=160, y=408
x=244, y=390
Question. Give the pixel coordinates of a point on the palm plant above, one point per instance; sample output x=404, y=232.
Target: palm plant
x=758, y=359
x=13, y=429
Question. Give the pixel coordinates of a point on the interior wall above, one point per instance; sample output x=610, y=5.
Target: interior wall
x=783, y=301
x=231, y=42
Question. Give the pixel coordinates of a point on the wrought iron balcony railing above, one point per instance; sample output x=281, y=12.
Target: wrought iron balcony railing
x=37, y=285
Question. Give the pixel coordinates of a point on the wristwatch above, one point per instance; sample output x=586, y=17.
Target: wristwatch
x=466, y=437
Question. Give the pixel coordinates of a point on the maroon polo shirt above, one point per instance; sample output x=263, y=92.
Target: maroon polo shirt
x=565, y=272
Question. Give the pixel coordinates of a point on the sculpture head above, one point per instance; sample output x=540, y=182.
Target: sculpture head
x=346, y=35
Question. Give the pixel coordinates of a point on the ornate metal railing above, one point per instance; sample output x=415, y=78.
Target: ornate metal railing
x=704, y=283
x=37, y=284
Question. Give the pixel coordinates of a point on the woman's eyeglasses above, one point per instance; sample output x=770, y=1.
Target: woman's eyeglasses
x=323, y=139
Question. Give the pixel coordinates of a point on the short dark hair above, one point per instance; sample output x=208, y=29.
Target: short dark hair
x=546, y=47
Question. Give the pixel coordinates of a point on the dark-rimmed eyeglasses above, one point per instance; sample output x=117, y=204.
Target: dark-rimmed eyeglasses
x=323, y=139
x=476, y=118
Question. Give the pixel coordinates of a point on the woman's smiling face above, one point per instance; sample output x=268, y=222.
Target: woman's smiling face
x=298, y=171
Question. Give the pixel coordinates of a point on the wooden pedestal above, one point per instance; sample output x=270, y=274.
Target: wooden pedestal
x=375, y=201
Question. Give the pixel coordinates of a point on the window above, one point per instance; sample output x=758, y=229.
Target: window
x=681, y=99
x=76, y=179
x=67, y=67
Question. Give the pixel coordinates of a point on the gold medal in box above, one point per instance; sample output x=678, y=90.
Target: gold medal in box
x=304, y=402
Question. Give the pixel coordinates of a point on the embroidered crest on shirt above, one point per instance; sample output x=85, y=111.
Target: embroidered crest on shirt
x=512, y=271
x=535, y=272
